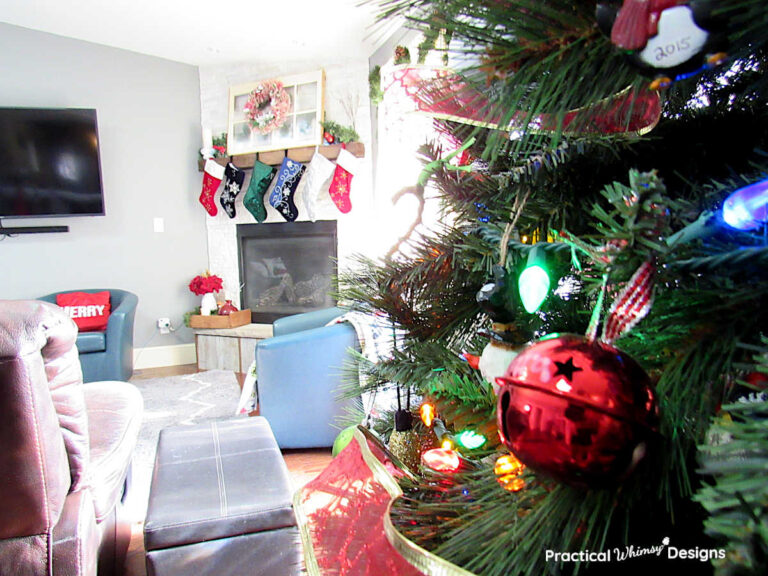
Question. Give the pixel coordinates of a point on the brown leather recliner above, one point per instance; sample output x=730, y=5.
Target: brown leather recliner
x=65, y=450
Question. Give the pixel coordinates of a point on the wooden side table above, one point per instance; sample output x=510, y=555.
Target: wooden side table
x=229, y=348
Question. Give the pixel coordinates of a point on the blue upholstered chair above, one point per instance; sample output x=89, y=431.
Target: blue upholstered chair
x=108, y=355
x=299, y=372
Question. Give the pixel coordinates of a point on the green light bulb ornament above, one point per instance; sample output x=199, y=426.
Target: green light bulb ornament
x=470, y=439
x=533, y=283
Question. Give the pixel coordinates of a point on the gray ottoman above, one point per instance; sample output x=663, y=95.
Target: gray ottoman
x=220, y=503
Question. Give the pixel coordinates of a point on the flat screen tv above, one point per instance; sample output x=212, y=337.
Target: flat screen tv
x=49, y=163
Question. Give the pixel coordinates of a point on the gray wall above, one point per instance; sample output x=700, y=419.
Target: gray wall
x=149, y=126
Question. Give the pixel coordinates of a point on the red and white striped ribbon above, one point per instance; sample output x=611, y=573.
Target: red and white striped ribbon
x=632, y=304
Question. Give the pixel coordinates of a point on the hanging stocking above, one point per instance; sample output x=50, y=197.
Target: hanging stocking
x=232, y=186
x=314, y=183
x=342, y=180
x=261, y=177
x=212, y=175
x=281, y=197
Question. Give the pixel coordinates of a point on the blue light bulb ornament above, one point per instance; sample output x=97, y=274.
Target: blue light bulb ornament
x=747, y=208
x=533, y=282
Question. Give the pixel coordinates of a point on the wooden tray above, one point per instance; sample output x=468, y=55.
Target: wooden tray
x=239, y=318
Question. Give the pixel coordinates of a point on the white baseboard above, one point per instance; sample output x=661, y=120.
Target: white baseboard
x=161, y=356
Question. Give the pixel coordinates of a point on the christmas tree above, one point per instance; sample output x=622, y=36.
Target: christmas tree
x=608, y=183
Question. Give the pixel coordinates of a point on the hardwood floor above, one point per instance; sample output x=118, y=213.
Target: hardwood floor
x=163, y=372
x=303, y=466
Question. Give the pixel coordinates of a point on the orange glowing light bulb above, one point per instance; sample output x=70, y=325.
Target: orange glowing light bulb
x=508, y=470
x=427, y=412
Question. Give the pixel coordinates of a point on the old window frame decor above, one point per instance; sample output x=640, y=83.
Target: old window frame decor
x=261, y=133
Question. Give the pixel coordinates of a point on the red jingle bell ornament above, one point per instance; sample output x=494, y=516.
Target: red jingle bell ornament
x=576, y=410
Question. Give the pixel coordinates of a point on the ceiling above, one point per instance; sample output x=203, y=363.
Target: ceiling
x=207, y=33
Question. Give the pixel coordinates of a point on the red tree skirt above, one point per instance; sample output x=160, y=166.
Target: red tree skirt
x=344, y=519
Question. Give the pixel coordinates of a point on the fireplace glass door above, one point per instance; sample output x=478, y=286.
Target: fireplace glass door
x=287, y=268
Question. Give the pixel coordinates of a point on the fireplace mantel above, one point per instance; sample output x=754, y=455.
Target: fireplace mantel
x=275, y=157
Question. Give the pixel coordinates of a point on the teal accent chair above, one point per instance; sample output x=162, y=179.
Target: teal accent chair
x=299, y=372
x=107, y=355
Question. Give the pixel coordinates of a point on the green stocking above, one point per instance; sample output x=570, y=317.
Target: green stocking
x=261, y=177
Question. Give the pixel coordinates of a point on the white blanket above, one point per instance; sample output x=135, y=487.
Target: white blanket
x=377, y=337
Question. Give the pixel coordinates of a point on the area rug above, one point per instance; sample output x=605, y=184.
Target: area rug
x=175, y=401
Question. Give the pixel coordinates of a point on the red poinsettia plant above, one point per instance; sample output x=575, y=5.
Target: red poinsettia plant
x=205, y=283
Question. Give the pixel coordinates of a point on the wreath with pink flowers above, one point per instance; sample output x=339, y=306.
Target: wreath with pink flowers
x=268, y=106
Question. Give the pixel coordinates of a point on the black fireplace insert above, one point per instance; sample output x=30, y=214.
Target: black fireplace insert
x=287, y=267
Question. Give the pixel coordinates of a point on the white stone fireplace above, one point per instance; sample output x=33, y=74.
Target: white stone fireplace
x=350, y=233
x=346, y=102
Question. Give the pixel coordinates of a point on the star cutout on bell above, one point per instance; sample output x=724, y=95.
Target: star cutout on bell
x=567, y=368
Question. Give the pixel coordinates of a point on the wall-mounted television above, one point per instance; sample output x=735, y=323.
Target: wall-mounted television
x=49, y=163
